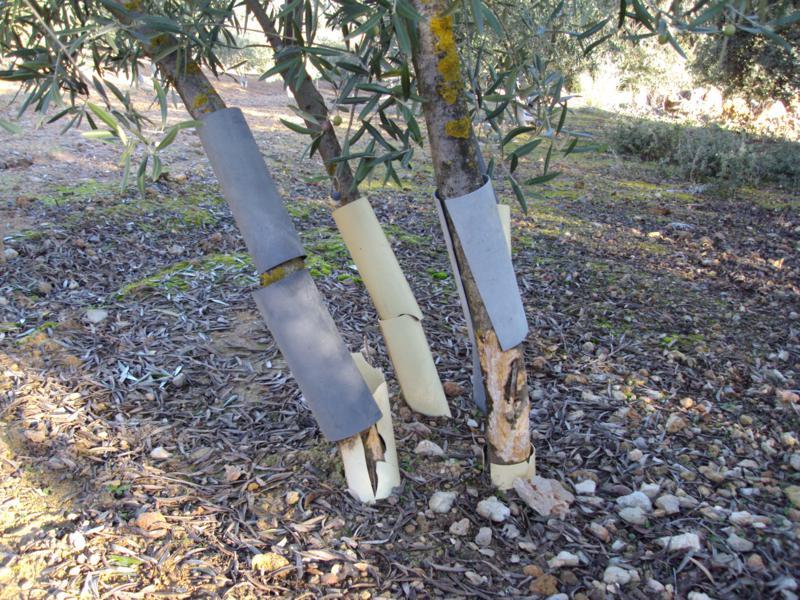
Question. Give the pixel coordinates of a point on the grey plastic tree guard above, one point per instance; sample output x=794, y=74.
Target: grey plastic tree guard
x=292, y=307
x=309, y=341
x=476, y=220
x=247, y=186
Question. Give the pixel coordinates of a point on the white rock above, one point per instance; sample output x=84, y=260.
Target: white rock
x=441, y=502
x=460, y=527
x=739, y=544
x=635, y=455
x=650, y=490
x=669, y=504
x=428, y=448
x=10, y=253
x=633, y=515
x=741, y=517
x=78, y=541
x=561, y=596
x=618, y=575
x=511, y=532
x=546, y=496
x=472, y=423
x=491, y=508
x=484, y=537
x=655, y=586
x=586, y=488
x=635, y=500
x=159, y=453
x=96, y=315
x=794, y=461
x=680, y=543
x=788, y=439
x=564, y=559
x=698, y=596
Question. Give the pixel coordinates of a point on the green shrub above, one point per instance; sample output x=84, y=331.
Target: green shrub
x=703, y=153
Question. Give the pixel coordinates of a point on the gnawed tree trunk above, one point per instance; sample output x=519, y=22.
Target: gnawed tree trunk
x=201, y=99
x=456, y=163
x=399, y=314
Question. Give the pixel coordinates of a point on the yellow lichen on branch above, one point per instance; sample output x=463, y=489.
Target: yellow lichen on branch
x=459, y=128
x=448, y=65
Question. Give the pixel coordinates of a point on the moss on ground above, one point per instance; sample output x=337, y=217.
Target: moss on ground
x=177, y=277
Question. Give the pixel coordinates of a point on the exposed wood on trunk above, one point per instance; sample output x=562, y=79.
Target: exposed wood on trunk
x=455, y=152
x=310, y=100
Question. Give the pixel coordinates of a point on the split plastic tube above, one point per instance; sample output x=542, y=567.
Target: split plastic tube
x=397, y=308
x=352, y=450
x=503, y=476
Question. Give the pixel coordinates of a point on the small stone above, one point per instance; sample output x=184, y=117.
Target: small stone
x=755, y=562
x=687, y=403
x=635, y=500
x=546, y=496
x=268, y=562
x=788, y=439
x=564, y=559
x=78, y=541
x=152, y=523
x=484, y=536
x=635, y=455
x=675, y=423
x=159, y=453
x=510, y=531
x=442, y=502
x=684, y=542
x=588, y=347
x=44, y=287
x=618, y=575
x=670, y=504
x=793, y=494
x=472, y=423
x=292, y=497
x=10, y=254
x=794, y=461
x=739, y=544
x=491, y=508
x=460, y=527
x=650, y=490
x=176, y=249
x=428, y=448
x=474, y=578
x=698, y=596
x=600, y=532
x=586, y=488
x=654, y=586
x=746, y=420
x=633, y=515
x=741, y=517
x=179, y=380
x=544, y=585
x=452, y=389
x=96, y=315
x=532, y=571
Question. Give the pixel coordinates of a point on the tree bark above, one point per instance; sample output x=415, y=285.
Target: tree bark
x=311, y=101
x=201, y=98
x=455, y=156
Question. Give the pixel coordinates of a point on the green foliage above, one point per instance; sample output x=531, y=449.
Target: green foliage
x=704, y=153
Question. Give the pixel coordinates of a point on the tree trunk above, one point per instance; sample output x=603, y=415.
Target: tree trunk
x=408, y=348
x=201, y=98
x=310, y=100
x=455, y=156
